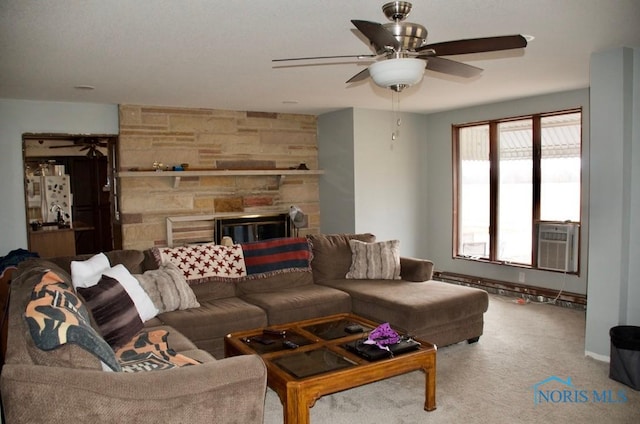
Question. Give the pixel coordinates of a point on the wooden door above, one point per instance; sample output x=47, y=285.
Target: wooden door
x=91, y=204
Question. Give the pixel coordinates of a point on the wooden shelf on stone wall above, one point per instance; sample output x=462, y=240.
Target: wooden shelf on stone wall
x=177, y=175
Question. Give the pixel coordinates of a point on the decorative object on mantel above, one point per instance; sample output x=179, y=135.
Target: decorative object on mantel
x=298, y=218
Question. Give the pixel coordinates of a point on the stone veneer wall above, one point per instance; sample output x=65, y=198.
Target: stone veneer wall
x=212, y=139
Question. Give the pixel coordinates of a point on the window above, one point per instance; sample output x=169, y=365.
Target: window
x=509, y=174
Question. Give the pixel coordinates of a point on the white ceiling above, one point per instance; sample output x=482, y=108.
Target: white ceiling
x=217, y=54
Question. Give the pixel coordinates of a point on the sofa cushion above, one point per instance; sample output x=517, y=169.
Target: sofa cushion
x=88, y=272
x=215, y=319
x=413, y=306
x=130, y=258
x=274, y=282
x=298, y=303
x=167, y=288
x=380, y=260
x=113, y=311
x=56, y=316
x=142, y=301
x=332, y=254
x=214, y=290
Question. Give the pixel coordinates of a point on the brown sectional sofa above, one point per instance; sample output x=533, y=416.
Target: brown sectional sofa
x=230, y=389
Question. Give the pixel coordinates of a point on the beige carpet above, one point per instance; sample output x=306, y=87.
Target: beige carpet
x=492, y=381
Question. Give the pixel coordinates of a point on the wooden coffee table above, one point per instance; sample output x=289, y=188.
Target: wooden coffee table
x=321, y=364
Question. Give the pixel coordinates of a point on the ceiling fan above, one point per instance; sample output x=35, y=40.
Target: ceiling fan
x=88, y=144
x=402, y=52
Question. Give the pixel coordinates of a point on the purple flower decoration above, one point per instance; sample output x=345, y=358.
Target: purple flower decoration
x=383, y=336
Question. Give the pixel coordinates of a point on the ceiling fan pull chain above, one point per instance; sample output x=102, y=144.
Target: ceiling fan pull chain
x=396, y=121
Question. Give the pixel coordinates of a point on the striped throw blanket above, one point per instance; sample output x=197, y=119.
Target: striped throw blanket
x=277, y=255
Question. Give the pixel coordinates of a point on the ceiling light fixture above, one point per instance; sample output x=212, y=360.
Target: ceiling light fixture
x=398, y=73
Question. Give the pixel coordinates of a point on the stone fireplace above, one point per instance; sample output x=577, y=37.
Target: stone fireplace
x=239, y=163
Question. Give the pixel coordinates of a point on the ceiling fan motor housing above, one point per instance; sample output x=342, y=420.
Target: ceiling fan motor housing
x=410, y=35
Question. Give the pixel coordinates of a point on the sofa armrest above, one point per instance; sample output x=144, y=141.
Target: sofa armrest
x=230, y=390
x=417, y=270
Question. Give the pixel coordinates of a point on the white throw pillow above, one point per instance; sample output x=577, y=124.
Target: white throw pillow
x=376, y=261
x=88, y=273
x=144, y=305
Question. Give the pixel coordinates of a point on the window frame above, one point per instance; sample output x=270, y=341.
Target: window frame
x=494, y=183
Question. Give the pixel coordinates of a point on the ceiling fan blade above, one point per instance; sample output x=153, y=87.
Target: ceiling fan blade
x=451, y=67
x=378, y=35
x=362, y=75
x=359, y=56
x=476, y=45
x=63, y=147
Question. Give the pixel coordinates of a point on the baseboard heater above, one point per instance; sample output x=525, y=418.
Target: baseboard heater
x=534, y=294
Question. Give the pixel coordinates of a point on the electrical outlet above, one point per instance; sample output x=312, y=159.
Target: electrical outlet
x=521, y=277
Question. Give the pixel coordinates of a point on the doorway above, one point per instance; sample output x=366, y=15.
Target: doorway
x=89, y=219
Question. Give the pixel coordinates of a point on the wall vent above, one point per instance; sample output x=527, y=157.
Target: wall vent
x=558, y=246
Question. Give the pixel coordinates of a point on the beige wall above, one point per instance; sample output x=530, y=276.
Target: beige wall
x=212, y=139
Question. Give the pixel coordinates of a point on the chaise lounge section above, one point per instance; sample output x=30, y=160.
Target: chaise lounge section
x=438, y=312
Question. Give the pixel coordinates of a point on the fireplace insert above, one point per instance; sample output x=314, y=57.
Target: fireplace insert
x=249, y=228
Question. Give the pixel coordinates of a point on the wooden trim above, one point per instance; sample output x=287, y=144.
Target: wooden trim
x=494, y=189
x=455, y=223
x=536, y=128
x=510, y=288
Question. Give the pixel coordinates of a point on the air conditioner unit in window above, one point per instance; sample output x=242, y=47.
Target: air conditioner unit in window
x=558, y=246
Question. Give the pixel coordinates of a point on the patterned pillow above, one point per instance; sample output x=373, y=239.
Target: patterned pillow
x=113, y=311
x=150, y=352
x=379, y=260
x=144, y=304
x=332, y=254
x=56, y=316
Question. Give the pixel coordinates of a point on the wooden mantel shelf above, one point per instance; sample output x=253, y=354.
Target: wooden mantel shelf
x=177, y=175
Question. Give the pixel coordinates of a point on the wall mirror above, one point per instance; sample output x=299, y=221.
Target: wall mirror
x=71, y=195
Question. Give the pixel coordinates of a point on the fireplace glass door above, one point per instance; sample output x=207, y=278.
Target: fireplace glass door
x=253, y=228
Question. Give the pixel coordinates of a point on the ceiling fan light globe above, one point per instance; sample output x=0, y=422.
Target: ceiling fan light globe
x=397, y=73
